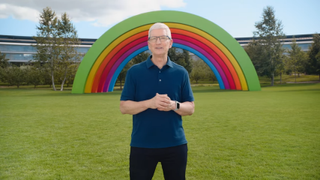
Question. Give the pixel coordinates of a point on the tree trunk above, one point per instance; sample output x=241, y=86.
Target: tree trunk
x=280, y=78
x=272, y=79
x=64, y=78
x=61, y=89
x=52, y=79
x=120, y=85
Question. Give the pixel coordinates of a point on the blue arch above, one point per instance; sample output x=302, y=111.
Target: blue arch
x=131, y=56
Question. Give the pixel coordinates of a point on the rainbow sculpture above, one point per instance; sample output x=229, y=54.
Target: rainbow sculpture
x=106, y=58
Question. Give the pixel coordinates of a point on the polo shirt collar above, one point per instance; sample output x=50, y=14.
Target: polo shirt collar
x=150, y=63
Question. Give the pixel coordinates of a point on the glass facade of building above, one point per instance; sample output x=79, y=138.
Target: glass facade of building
x=19, y=48
x=304, y=41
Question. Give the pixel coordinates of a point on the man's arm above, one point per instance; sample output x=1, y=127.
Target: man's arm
x=186, y=108
x=133, y=107
x=160, y=102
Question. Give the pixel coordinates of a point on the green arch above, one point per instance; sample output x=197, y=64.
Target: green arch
x=166, y=16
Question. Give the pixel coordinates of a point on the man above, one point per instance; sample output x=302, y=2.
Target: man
x=157, y=93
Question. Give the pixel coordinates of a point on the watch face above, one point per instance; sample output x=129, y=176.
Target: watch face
x=178, y=105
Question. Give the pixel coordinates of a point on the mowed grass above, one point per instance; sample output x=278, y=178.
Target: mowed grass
x=268, y=134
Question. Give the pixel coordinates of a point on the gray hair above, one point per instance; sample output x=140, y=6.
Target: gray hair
x=160, y=26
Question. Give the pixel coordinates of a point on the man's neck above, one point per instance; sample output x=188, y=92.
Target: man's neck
x=159, y=61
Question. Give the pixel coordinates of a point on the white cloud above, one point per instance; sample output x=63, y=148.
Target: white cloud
x=18, y=12
x=99, y=12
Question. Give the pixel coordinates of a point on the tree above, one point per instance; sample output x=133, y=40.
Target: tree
x=198, y=71
x=68, y=52
x=56, y=44
x=280, y=59
x=34, y=76
x=209, y=74
x=3, y=65
x=48, y=41
x=123, y=73
x=46, y=75
x=269, y=31
x=3, y=61
x=140, y=57
x=181, y=58
x=72, y=73
x=15, y=75
x=296, y=60
x=313, y=64
x=2, y=75
x=256, y=52
x=188, y=61
x=283, y=68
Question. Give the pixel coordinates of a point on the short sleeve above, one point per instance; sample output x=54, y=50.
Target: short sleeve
x=187, y=94
x=128, y=91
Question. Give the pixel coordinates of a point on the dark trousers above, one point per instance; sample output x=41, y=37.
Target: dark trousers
x=143, y=162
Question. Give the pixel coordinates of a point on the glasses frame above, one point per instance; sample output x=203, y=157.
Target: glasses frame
x=158, y=37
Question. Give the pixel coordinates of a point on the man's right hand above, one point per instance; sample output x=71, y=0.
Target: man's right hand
x=161, y=102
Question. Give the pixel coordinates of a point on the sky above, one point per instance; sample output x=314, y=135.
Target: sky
x=92, y=18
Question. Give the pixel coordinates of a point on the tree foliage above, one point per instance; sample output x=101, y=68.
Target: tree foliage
x=123, y=73
x=3, y=61
x=56, y=44
x=140, y=57
x=182, y=58
x=3, y=65
x=15, y=75
x=256, y=53
x=266, y=51
x=199, y=71
x=296, y=59
x=72, y=70
x=34, y=76
x=313, y=64
x=209, y=74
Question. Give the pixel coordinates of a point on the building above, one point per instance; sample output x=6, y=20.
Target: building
x=303, y=41
x=19, y=49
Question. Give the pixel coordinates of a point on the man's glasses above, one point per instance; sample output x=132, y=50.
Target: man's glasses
x=154, y=39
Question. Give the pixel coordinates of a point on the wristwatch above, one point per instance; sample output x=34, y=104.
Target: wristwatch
x=177, y=105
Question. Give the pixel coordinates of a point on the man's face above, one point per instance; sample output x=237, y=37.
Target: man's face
x=160, y=46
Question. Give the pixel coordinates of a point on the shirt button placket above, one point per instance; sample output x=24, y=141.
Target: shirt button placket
x=159, y=76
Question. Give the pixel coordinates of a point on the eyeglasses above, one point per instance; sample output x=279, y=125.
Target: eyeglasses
x=154, y=39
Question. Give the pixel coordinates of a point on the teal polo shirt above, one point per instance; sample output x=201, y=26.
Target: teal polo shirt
x=153, y=128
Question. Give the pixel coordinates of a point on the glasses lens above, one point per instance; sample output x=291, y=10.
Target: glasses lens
x=161, y=38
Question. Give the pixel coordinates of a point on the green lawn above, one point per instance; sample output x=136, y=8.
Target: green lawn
x=268, y=134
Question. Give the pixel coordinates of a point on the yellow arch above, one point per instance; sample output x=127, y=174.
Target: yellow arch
x=121, y=38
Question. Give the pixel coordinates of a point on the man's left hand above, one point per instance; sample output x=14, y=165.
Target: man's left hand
x=169, y=107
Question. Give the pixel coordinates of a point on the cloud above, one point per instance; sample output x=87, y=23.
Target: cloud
x=99, y=12
x=18, y=12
